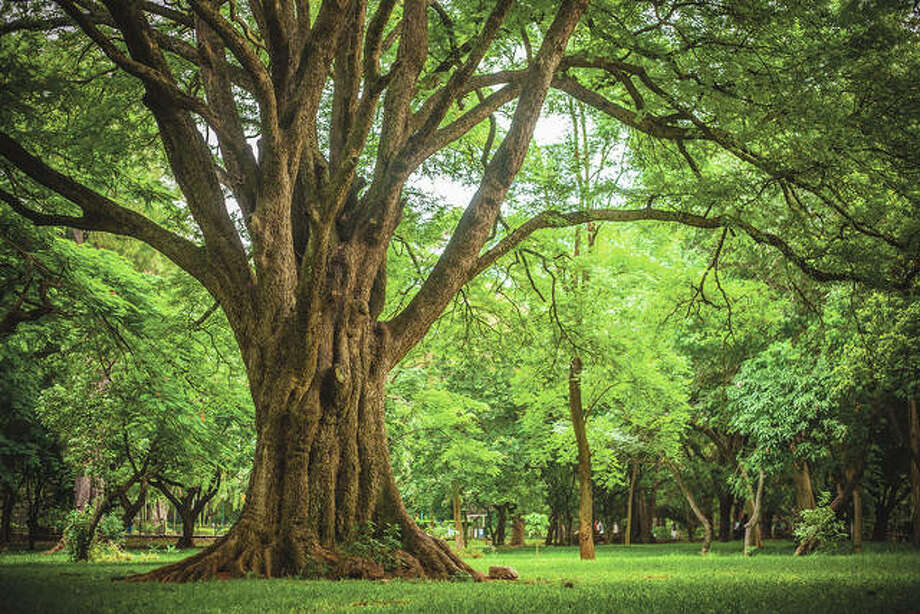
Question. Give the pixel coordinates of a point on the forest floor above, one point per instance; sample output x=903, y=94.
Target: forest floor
x=641, y=578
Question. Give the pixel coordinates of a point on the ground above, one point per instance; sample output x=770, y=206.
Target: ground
x=643, y=578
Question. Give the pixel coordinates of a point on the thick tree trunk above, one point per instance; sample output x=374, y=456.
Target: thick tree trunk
x=517, y=530
x=585, y=494
x=321, y=470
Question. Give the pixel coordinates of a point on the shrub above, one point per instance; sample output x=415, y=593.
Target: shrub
x=81, y=545
x=536, y=524
x=111, y=530
x=77, y=535
x=821, y=527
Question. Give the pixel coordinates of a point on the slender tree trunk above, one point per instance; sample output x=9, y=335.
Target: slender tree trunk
x=857, y=520
x=700, y=515
x=914, y=439
x=725, y=516
x=6, y=520
x=754, y=520
x=586, y=496
x=517, y=530
x=627, y=536
x=458, y=518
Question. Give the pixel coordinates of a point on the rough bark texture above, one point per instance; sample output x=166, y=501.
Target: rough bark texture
x=585, y=494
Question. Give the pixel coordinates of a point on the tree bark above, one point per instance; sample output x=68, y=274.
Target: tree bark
x=586, y=496
x=517, y=530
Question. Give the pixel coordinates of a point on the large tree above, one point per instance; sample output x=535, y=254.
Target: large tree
x=347, y=100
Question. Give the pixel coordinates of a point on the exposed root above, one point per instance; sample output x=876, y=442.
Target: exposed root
x=240, y=555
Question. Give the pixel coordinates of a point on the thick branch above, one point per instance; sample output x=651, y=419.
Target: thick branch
x=100, y=213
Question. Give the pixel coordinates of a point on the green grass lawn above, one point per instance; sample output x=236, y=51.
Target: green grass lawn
x=643, y=578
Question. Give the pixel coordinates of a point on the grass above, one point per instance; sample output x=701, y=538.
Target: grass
x=643, y=578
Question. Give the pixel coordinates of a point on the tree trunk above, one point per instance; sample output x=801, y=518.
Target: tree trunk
x=517, y=530
x=586, y=496
x=6, y=521
x=130, y=508
x=725, y=516
x=643, y=518
x=186, y=539
x=627, y=536
x=498, y=537
x=914, y=439
x=458, y=518
x=750, y=539
x=804, y=493
x=321, y=470
x=857, y=520
x=700, y=515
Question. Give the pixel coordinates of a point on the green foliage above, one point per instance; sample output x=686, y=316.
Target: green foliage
x=82, y=544
x=821, y=527
x=111, y=530
x=535, y=524
x=77, y=533
x=376, y=543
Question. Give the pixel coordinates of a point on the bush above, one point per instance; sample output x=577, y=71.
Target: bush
x=536, y=524
x=111, y=530
x=79, y=542
x=76, y=533
x=821, y=527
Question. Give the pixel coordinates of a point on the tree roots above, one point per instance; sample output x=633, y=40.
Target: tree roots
x=242, y=554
